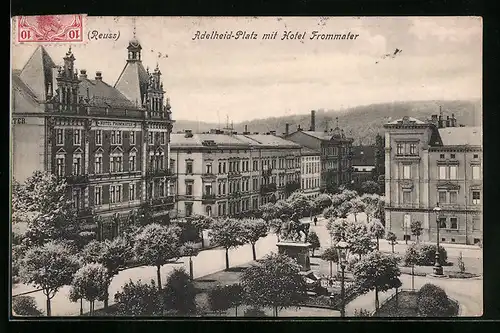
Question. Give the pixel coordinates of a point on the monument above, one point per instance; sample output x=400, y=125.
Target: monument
x=293, y=241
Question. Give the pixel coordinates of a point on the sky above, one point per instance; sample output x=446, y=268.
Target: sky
x=247, y=79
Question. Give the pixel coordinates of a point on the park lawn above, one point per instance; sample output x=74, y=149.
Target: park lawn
x=404, y=305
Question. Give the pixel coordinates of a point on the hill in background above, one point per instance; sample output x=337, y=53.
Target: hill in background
x=360, y=122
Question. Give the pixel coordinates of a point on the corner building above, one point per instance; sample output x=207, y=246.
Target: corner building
x=110, y=143
x=433, y=162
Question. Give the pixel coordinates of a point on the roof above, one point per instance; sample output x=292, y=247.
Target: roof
x=363, y=155
x=334, y=134
x=319, y=135
x=133, y=81
x=309, y=151
x=37, y=72
x=461, y=136
x=406, y=120
x=179, y=140
x=102, y=94
x=264, y=140
x=17, y=82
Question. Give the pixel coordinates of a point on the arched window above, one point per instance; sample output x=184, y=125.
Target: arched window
x=208, y=210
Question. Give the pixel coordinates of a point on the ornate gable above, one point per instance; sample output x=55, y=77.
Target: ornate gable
x=61, y=151
x=78, y=150
x=99, y=150
x=117, y=150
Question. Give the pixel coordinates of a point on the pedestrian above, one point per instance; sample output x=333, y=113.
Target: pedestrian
x=315, y=221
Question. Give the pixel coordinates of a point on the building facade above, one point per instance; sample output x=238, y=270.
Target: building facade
x=310, y=175
x=429, y=164
x=335, y=153
x=363, y=164
x=223, y=173
x=110, y=143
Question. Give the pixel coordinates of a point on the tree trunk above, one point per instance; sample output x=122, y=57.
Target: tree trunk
x=376, y=299
x=227, y=259
x=254, y=254
x=158, y=276
x=202, y=239
x=81, y=306
x=355, y=218
x=331, y=269
x=236, y=309
x=378, y=244
x=313, y=252
x=276, y=311
x=106, y=299
x=48, y=306
x=190, y=268
x=392, y=247
x=412, y=278
x=397, y=297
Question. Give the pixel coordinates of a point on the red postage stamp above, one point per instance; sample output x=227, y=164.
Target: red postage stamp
x=50, y=28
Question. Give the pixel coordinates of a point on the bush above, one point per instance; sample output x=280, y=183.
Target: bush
x=427, y=255
x=362, y=313
x=353, y=260
x=218, y=299
x=179, y=293
x=25, y=306
x=139, y=299
x=432, y=301
x=254, y=312
x=189, y=232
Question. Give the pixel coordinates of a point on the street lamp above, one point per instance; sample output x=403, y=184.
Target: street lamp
x=343, y=252
x=438, y=269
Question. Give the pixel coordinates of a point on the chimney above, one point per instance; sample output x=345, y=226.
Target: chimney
x=272, y=133
x=83, y=74
x=298, y=128
x=313, y=120
x=188, y=133
x=98, y=75
x=246, y=130
x=453, y=120
x=440, y=121
x=287, y=128
x=448, y=121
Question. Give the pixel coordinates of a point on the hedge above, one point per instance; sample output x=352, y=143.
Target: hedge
x=432, y=301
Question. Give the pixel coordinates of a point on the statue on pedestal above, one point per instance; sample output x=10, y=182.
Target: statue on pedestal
x=292, y=230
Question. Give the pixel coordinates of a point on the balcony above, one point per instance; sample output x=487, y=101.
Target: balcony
x=233, y=174
x=156, y=203
x=208, y=199
x=158, y=173
x=77, y=179
x=267, y=172
x=407, y=157
x=208, y=175
x=268, y=188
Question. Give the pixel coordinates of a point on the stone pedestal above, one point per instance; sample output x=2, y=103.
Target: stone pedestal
x=297, y=251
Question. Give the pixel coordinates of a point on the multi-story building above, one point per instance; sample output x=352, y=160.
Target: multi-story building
x=363, y=164
x=431, y=163
x=335, y=149
x=110, y=143
x=310, y=175
x=223, y=173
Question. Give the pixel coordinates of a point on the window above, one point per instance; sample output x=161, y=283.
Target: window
x=116, y=164
x=452, y=155
x=60, y=137
x=220, y=167
x=189, y=189
x=77, y=198
x=476, y=156
x=150, y=138
x=476, y=197
x=189, y=167
x=453, y=172
x=116, y=137
x=208, y=189
x=60, y=166
x=441, y=156
x=208, y=210
x=476, y=172
x=476, y=224
x=161, y=186
x=208, y=168
x=406, y=172
x=413, y=149
x=97, y=195
x=77, y=165
x=453, y=197
x=115, y=193
x=406, y=197
x=189, y=208
x=399, y=149
x=77, y=137
x=442, y=222
x=131, y=162
x=131, y=192
x=442, y=196
x=256, y=165
x=441, y=172
x=132, y=138
x=163, y=138
x=98, y=137
x=453, y=223
x=98, y=164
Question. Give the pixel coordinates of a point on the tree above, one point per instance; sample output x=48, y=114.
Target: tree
x=218, y=299
x=411, y=258
x=275, y=282
x=254, y=230
x=461, y=264
x=139, y=299
x=356, y=206
x=313, y=238
x=321, y=202
x=254, y=312
x=356, y=234
x=377, y=230
x=416, y=229
x=202, y=223
x=228, y=233
x=42, y=203
x=179, y=293
x=331, y=255
x=235, y=294
x=377, y=271
x=156, y=245
x=91, y=283
x=269, y=212
x=432, y=301
x=49, y=267
x=392, y=239
x=299, y=204
x=370, y=187
x=25, y=306
x=189, y=249
x=330, y=212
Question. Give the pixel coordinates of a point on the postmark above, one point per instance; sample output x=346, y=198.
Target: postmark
x=50, y=28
